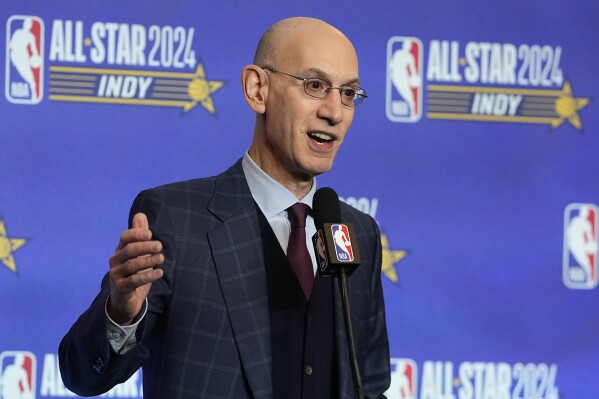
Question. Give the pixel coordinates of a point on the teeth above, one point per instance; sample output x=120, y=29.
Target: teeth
x=322, y=136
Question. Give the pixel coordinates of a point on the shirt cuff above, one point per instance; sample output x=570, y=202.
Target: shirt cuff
x=122, y=338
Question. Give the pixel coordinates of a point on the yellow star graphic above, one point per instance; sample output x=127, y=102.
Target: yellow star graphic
x=390, y=258
x=567, y=107
x=199, y=89
x=8, y=246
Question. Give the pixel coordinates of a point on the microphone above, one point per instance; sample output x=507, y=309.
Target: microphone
x=337, y=257
x=333, y=239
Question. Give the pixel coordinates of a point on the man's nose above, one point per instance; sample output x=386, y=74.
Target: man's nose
x=331, y=107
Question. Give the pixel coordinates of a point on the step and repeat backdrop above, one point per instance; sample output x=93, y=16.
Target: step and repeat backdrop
x=477, y=152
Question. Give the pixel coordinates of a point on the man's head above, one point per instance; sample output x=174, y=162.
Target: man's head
x=296, y=135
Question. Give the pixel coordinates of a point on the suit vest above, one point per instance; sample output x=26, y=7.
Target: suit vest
x=302, y=331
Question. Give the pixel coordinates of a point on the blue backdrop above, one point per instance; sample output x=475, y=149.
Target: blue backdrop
x=479, y=131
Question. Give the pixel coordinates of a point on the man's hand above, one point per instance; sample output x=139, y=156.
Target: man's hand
x=132, y=270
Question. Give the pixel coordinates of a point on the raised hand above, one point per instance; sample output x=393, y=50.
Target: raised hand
x=132, y=270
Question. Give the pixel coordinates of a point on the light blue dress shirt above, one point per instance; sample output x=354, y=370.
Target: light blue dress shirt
x=273, y=200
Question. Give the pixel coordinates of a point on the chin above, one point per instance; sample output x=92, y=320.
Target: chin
x=316, y=165
x=321, y=168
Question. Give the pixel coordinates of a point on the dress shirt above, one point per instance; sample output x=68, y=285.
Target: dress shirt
x=273, y=200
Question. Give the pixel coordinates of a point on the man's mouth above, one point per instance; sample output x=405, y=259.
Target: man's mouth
x=321, y=137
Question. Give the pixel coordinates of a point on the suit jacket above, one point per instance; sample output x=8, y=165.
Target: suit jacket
x=206, y=333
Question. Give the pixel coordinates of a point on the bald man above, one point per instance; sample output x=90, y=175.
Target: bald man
x=200, y=293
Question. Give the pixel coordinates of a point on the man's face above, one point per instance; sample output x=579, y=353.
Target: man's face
x=303, y=133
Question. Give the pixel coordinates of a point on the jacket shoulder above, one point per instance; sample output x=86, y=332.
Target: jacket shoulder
x=355, y=216
x=197, y=191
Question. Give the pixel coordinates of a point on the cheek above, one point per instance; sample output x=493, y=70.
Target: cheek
x=349, y=117
x=347, y=121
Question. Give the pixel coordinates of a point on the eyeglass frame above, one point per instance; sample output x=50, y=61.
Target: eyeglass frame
x=362, y=96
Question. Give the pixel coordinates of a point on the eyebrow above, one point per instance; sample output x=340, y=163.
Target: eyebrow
x=322, y=74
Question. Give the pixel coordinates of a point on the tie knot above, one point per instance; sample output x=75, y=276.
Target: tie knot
x=297, y=214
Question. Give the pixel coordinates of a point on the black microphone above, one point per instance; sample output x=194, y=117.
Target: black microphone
x=335, y=245
x=337, y=254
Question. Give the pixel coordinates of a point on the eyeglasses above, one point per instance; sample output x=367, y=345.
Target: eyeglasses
x=319, y=88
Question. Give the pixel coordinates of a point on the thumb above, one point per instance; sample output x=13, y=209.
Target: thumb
x=140, y=221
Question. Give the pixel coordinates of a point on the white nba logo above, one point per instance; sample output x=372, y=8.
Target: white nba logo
x=24, y=59
x=17, y=375
x=580, y=246
x=404, y=79
x=404, y=373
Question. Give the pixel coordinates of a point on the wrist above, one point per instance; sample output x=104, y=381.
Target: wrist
x=116, y=316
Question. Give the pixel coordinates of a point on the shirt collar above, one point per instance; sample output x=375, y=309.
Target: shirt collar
x=272, y=197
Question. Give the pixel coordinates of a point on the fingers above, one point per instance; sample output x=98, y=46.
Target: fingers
x=129, y=271
x=134, y=250
x=134, y=235
x=140, y=221
x=130, y=282
x=139, y=231
x=130, y=279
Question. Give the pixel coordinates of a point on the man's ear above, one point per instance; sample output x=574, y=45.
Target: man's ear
x=255, y=87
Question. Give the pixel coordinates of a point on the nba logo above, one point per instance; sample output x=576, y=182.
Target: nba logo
x=580, y=246
x=403, y=379
x=321, y=252
x=342, y=242
x=17, y=375
x=404, y=79
x=24, y=59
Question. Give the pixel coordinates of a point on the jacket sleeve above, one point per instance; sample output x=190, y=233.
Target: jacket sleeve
x=88, y=364
x=376, y=366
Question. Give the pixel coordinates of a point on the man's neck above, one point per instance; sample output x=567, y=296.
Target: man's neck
x=298, y=184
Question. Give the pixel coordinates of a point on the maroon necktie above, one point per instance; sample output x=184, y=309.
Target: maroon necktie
x=297, y=252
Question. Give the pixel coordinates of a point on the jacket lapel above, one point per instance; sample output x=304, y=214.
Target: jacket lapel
x=236, y=246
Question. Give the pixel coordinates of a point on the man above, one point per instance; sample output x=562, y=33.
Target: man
x=209, y=303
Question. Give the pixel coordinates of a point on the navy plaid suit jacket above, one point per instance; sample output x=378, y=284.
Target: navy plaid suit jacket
x=206, y=333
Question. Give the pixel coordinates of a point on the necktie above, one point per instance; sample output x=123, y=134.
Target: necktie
x=297, y=252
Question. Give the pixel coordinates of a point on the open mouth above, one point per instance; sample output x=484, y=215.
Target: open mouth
x=321, y=137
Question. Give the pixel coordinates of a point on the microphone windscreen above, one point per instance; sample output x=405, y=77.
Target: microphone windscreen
x=326, y=207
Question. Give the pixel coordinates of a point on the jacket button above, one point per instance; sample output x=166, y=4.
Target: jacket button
x=309, y=370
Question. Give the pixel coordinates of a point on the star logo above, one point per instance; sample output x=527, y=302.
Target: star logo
x=160, y=88
x=8, y=246
x=390, y=258
x=200, y=89
x=567, y=107
x=538, y=106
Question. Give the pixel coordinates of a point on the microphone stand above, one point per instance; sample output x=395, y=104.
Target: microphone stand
x=351, y=345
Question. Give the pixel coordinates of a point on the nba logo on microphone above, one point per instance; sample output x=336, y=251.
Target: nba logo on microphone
x=17, y=375
x=403, y=379
x=343, y=249
x=24, y=59
x=580, y=246
x=404, y=79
